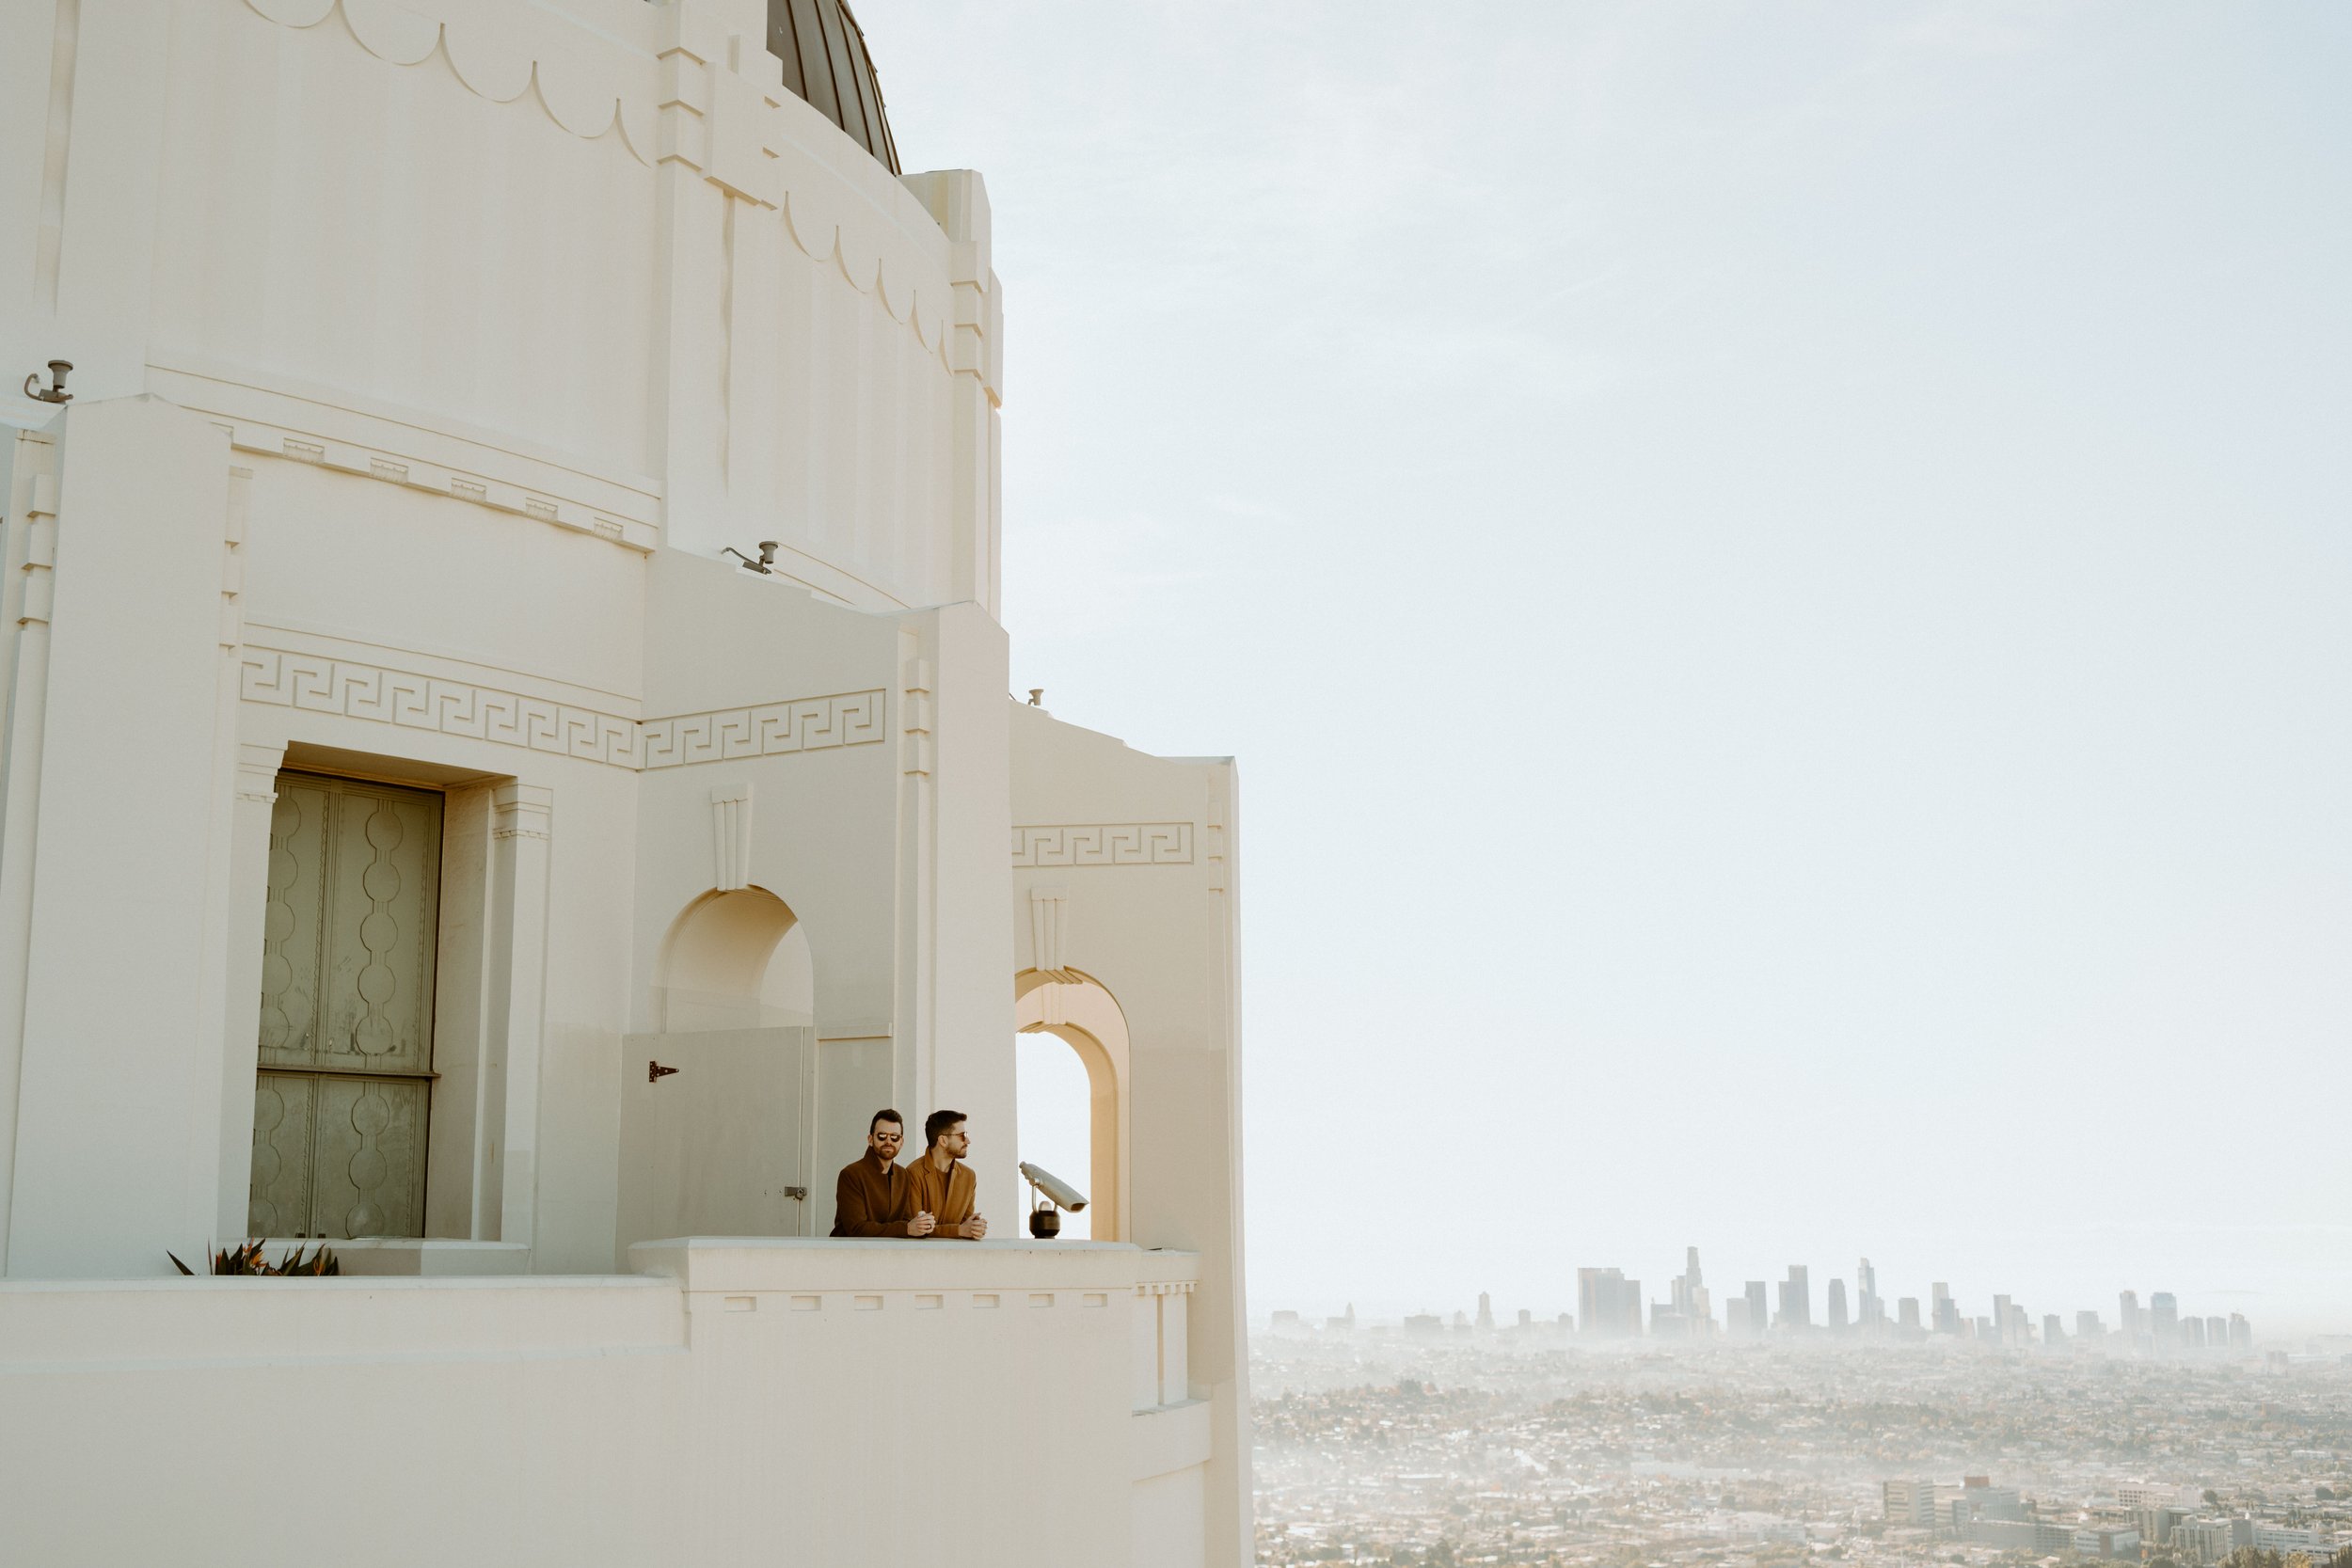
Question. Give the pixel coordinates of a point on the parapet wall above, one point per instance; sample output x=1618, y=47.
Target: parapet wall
x=754, y=1401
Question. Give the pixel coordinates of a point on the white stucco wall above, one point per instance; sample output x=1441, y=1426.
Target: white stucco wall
x=426, y=353
x=839, y=1402
x=1138, y=853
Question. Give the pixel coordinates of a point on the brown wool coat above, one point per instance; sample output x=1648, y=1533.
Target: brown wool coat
x=872, y=1199
x=949, y=1196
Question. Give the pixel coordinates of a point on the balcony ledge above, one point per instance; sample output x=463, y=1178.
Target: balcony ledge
x=750, y=1264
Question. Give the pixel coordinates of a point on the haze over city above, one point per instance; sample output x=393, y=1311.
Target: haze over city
x=1820, y=730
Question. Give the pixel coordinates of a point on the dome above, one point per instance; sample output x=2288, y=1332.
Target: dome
x=825, y=62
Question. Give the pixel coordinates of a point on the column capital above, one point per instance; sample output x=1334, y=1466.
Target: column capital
x=256, y=771
x=521, y=811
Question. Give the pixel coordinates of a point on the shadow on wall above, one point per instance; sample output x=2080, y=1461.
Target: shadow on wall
x=734, y=960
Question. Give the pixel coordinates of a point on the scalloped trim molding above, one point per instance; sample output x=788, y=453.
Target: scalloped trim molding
x=492, y=47
x=687, y=107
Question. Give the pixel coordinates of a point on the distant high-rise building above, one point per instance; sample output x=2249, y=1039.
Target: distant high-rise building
x=1736, y=1317
x=2218, y=1332
x=1796, y=1300
x=2127, y=1316
x=1609, y=1303
x=2053, y=1331
x=2000, y=1319
x=2163, y=1319
x=1946, y=1319
x=2018, y=1330
x=1869, y=1309
x=1485, y=1313
x=1690, y=1306
x=1344, y=1324
x=2241, y=1332
x=1760, y=1314
x=1838, y=1307
x=1527, y=1319
x=1422, y=1325
x=2088, y=1326
x=1907, y=1321
x=2192, y=1333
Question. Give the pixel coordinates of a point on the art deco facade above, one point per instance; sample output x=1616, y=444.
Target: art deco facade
x=397, y=770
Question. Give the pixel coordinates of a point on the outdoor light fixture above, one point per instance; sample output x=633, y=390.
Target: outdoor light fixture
x=1049, y=1196
x=55, y=391
x=766, y=565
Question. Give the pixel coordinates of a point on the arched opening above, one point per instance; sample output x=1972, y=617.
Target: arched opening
x=1091, y=1030
x=734, y=960
x=1056, y=1112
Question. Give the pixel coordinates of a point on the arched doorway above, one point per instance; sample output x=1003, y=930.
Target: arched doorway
x=716, y=1101
x=1079, y=1012
x=734, y=960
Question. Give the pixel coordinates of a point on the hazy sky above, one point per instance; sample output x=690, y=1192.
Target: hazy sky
x=1781, y=579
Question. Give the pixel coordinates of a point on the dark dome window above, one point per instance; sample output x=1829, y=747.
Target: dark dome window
x=824, y=51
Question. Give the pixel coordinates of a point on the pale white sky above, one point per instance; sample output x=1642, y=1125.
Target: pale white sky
x=1779, y=576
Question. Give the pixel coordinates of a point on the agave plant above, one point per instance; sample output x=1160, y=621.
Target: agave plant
x=245, y=1258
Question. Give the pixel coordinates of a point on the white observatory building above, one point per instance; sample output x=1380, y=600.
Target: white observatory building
x=398, y=770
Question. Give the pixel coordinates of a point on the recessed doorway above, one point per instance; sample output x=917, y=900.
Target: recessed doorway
x=343, y=1095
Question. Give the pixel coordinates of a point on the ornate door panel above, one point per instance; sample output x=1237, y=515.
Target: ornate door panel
x=371, y=1156
x=346, y=1026
x=279, y=1202
x=290, y=926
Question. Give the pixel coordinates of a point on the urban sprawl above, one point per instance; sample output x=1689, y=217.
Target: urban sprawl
x=1889, y=1437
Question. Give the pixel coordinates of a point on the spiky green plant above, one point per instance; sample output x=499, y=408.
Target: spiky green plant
x=246, y=1258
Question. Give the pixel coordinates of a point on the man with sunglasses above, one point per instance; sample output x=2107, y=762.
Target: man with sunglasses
x=873, y=1194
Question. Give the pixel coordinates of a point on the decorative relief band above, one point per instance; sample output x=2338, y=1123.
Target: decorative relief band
x=316, y=684
x=577, y=515
x=803, y=724
x=417, y=702
x=1104, y=843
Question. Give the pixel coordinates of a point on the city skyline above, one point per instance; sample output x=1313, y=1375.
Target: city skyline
x=1612, y=1305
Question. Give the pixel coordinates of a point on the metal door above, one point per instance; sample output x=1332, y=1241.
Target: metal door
x=714, y=1146
x=342, y=1100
